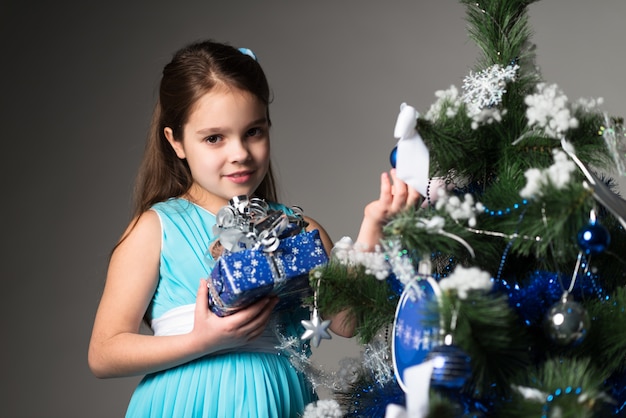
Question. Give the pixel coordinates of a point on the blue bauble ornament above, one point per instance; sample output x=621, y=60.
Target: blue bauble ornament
x=414, y=327
x=393, y=157
x=594, y=238
x=451, y=366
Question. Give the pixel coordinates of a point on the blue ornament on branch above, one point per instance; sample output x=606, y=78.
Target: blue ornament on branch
x=594, y=238
x=451, y=366
x=416, y=326
x=393, y=157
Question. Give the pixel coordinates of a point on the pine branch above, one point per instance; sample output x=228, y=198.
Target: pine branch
x=490, y=332
x=369, y=301
x=573, y=385
x=422, y=242
x=556, y=217
x=606, y=342
x=499, y=28
x=500, y=136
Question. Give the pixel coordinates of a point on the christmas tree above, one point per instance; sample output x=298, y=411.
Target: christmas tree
x=505, y=288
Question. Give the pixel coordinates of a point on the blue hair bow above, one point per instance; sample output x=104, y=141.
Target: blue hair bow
x=248, y=52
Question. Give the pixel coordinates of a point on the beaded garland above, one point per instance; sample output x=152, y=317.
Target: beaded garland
x=556, y=394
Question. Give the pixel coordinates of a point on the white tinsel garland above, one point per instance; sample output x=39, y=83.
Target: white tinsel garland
x=376, y=359
x=348, y=373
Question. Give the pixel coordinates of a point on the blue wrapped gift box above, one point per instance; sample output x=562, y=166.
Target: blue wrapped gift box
x=240, y=278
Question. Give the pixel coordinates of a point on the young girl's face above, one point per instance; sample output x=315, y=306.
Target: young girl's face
x=226, y=144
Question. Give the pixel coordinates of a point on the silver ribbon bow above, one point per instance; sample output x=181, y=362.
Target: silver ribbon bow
x=249, y=223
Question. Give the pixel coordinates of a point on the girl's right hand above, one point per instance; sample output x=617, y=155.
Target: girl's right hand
x=216, y=333
x=117, y=347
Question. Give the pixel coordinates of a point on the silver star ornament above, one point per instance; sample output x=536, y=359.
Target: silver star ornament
x=316, y=329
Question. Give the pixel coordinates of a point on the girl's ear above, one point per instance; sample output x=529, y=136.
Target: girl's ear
x=176, y=145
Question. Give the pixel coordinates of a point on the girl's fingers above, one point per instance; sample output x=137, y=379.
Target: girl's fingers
x=202, y=297
x=414, y=197
x=262, y=319
x=404, y=196
x=255, y=323
x=255, y=313
x=400, y=193
x=385, y=188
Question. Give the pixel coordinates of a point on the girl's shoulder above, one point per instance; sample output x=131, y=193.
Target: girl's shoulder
x=171, y=205
x=179, y=207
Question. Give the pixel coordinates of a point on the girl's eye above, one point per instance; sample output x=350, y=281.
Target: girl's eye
x=213, y=139
x=255, y=132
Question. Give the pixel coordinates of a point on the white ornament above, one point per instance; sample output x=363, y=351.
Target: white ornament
x=412, y=157
x=486, y=88
x=417, y=379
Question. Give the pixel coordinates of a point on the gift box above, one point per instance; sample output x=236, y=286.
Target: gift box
x=265, y=252
x=240, y=278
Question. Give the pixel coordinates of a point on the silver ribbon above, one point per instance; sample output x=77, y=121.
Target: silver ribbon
x=249, y=224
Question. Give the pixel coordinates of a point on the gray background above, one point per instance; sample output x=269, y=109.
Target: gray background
x=77, y=86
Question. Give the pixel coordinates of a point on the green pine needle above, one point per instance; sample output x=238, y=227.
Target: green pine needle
x=489, y=331
x=511, y=238
x=574, y=385
x=606, y=342
x=368, y=300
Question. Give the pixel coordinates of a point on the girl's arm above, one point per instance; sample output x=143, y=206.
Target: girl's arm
x=118, y=349
x=395, y=196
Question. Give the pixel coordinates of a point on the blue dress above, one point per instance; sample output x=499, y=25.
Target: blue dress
x=255, y=380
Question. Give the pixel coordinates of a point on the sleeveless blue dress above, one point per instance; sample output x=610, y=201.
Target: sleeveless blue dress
x=256, y=380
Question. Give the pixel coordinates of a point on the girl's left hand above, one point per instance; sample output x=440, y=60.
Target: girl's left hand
x=395, y=196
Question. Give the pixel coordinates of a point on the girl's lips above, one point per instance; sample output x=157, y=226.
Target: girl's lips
x=240, y=178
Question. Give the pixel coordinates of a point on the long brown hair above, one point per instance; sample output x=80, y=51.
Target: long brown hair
x=193, y=71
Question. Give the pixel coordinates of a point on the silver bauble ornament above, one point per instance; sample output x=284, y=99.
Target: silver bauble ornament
x=567, y=322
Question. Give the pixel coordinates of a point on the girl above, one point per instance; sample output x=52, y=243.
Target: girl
x=209, y=141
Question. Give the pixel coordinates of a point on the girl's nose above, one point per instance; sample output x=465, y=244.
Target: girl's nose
x=239, y=151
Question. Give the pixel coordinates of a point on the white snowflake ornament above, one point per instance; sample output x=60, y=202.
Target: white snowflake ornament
x=486, y=88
